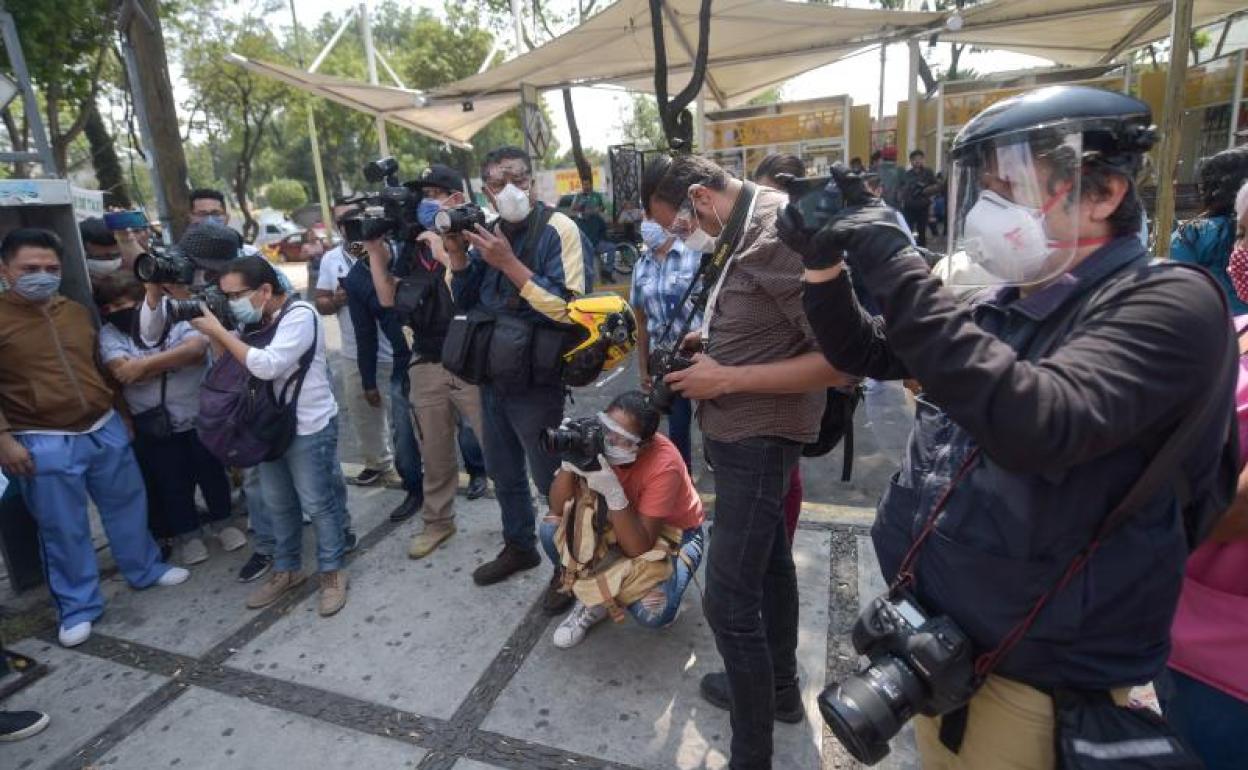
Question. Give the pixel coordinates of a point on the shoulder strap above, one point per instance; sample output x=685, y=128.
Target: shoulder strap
x=305, y=360
x=537, y=223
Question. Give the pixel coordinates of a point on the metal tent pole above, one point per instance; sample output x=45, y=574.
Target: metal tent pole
x=912, y=108
x=370, y=55
x=1180, y=35
x=321, y=189
x=1236, y=98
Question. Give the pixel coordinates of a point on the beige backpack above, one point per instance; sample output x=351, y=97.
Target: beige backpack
x=595, y=570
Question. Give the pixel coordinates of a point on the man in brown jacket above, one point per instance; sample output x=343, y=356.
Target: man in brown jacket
x=60, y=438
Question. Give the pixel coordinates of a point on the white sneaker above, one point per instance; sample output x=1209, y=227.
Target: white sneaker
x=173, y=576
x=572, y=630
x=75, y=634
x=231, y=538
x=193, y=551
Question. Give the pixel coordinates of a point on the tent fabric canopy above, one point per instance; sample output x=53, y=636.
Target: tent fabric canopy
x=445, y=122
x=754, y=45
x=1077, y=32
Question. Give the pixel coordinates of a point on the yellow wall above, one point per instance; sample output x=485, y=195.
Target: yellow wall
x=860, y=132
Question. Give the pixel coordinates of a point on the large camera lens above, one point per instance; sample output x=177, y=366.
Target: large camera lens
x=156, y=267
x=183, y=309
x=555, y=441
x=869, y=708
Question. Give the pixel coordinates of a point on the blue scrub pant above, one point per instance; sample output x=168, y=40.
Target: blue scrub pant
x=67, y=469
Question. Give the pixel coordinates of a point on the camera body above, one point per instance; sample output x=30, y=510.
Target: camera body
x=396, y=202
x=664, y=361
x=578, y=441
x=158, y=266
x=917, y=664
x=463, y=218
x=819, y=198
x=193, y=307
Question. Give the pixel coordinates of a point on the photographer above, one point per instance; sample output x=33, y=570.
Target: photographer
x=522, y=272
x=307, y=475
x=440, y=400
x=762, y=385
x=647, y=487
x=1046, y=403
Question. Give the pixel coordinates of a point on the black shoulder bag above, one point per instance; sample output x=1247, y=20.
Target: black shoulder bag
x=155, y=424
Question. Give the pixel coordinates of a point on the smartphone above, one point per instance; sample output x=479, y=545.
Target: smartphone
x=125, y=220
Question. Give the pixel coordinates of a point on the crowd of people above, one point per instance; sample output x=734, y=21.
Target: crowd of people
x=1075, y=429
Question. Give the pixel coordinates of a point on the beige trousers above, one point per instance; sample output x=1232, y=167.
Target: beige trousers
x=370, y=423
x=438, y=396
x=1009, y=726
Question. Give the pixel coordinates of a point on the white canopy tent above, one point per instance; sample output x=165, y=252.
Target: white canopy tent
x=445, y=121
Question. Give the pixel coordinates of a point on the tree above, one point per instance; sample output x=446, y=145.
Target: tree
x=643, y=126
x=108, y=173
x=285, y=195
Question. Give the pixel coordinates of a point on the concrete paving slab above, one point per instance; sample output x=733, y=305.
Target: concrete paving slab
x=630, y=695
x=905, y=753
x=415, y=635
x=472, y=764
x=82, y=694
x=205, y=729
x=190, y=619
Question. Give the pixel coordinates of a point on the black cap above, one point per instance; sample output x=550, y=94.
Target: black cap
x=94, y=231
x=438, y=175
x=209, y=245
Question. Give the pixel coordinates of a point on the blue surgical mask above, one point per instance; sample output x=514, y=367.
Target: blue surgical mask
x=215, y=219
x=37, y=287
x=426, y=211
x=243, y=311
x=653, y=235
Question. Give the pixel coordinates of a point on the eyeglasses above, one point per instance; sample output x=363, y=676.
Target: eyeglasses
x=235, y=295
x=497, y=183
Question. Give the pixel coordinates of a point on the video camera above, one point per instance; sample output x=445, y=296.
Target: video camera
x=578, y=441
x=396, y=202
x=158, y=266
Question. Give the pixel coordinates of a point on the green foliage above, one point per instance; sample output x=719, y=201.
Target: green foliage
x=643, y=127
x=285, y=194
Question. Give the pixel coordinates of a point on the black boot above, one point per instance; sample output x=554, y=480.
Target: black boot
x=789, y=708
x=408, y=508
x=510, y=560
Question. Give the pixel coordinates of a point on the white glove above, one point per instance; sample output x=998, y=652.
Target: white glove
x=604, y=482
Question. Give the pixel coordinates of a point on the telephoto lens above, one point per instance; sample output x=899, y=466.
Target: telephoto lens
x=160, y=267
x=459, y=219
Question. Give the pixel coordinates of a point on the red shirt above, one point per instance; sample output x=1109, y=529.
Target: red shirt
x=659, y=486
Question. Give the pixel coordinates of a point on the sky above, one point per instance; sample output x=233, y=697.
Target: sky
x=602, y=110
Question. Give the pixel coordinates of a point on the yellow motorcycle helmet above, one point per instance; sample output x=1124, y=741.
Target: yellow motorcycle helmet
x=609, y=334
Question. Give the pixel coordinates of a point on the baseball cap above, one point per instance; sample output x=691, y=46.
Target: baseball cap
x=438, y=175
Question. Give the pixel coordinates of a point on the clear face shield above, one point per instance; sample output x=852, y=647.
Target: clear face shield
x=1014, y=205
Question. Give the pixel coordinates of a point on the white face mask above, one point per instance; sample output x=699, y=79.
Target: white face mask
x=1005, y=238
x=513, y=204
x=622, y=446
x=99, y=268
x=701, y=241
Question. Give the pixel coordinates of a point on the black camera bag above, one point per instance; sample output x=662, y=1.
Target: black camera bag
x=1095, y=733
x=465, y=353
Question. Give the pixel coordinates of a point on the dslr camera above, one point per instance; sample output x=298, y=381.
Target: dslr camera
x=392, y=209
x=916, y=664
x=463, y=218
x=819, y=198
x=578, y=441
x=664, y=361
x=158, y=266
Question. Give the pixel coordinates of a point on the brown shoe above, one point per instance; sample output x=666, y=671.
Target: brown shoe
x=430, y=538
x=333, y=592
x=277, y=586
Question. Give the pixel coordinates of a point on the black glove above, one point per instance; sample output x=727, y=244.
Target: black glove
x=810, y=244
x=870, y=234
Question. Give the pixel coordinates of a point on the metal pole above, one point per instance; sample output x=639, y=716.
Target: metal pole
x=321, y=189
x=1128, y=74
x=912, y=109
x=940, y=127
x=1180, y=35
x=333, y=41
x=879, y=113
x=8, y=29
x=1237, y=98
x=145, y=132
x=849, y=105
x=700, y=144
x=370, y=55
x=518, y=25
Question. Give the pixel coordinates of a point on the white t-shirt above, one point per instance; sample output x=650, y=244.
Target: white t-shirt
x=280, y=359
x=335, y=265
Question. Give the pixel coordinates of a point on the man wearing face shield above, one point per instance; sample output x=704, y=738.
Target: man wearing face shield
x=1045, y=398
x=522, y=272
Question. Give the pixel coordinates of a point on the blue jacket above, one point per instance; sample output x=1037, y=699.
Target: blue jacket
x=562, y=262
x=367, y=314
x=1207, y=241
x=1063, y=435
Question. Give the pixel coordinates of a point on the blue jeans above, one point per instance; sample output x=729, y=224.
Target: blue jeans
x=680, y=428
x=673, y=588
x=67, y=469
x=751, y=587
x=470, y=450
x=1208, y=720
x=307, y=477
x=606, y=251
x=407, y=460
x=264, y=542
x=512, y=423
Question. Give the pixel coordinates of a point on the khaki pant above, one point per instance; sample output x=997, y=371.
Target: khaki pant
x=437, y=396
x=370, y=423
x=1009, y=726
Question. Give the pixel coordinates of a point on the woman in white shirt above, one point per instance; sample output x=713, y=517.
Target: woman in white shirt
x=308, y=475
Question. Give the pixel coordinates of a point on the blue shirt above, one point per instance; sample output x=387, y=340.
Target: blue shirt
x=562, y=262
x=1208, y=241
x=658, y=286
x=367, y=315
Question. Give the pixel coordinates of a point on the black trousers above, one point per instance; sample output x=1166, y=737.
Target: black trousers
x=172, y=468
x=751, y=587
x=916, y=217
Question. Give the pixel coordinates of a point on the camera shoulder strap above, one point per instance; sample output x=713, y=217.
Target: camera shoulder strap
x=714, y=264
